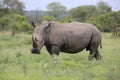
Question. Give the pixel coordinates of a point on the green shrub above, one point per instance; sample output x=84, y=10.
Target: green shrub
x=49, y=18
x=15, y=22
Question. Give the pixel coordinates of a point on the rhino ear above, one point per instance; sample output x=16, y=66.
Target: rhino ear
x=33, y=24
x=46, y=24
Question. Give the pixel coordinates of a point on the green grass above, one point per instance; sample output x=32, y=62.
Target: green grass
x=17, y=63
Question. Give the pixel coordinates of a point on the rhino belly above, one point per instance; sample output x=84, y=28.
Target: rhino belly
x=75, y=48
x=71, y=50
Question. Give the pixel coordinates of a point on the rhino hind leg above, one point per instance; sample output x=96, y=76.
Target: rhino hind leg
x=92, y=54
x=93, y=48
x=97, y=55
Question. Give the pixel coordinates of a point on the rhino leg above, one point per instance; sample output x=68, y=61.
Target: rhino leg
x=53, y=51
x=54, y=54
x=97, y=55
x=92, y=54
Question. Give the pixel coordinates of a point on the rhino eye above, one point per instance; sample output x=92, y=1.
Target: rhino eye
x=41, y=41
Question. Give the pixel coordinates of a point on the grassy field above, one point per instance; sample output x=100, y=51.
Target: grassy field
x=17, y=63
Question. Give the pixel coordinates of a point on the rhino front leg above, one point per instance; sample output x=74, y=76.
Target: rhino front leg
x=55, y=52
x=54, y=57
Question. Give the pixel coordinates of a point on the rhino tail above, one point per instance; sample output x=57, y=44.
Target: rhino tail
x=100, y=45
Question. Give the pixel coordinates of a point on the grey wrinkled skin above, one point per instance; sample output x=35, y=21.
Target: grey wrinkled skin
x=70, y=38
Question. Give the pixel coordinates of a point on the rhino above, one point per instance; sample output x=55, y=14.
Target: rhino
x=70, y=38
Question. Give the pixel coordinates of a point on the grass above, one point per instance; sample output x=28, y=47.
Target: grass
x=17, y=63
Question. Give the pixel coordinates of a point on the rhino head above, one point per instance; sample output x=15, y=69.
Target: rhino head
x=38, y=37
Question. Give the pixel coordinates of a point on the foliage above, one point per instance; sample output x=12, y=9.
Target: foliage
x=116, y=32
x=66, y=20
x=49, y=18
x=55, y=9
x=35, y=15
x=82, y=13
x=106, y=22
x=15, y=6
x=103, y=7
x=4, y=11
x=13, y=18
x=14, y=22
x=17, y=63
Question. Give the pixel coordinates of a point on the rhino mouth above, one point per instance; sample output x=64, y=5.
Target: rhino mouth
x=35, y=51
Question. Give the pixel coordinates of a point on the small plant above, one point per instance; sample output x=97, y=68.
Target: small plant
x=19, y=54
x=24, y=67
x=5, y=60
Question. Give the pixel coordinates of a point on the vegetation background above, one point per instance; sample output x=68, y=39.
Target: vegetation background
x=17, y=63
x=14, y=18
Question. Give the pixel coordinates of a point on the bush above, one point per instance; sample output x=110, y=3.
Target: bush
x=66, y=20
x=15, y=22
x=49, y=18
x=106, y=22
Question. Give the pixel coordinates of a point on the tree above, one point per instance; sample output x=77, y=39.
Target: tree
x=49, y=18
x=106, y=22
x=66, y=20
x=11, y=6
x=35, y=15
x=82, y=13
x=4, y=11
x=14, y=23
x=12, y=18
x=55, y=9
x=103, y=7
x=14, y=5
